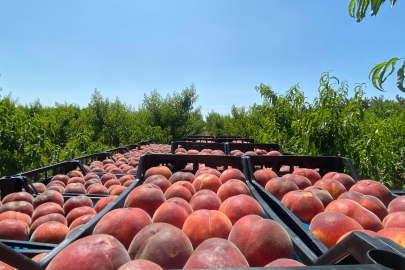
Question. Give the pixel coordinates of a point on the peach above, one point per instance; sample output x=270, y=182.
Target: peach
x=98, y=189
x=97, y=169
x=56, y=183
x=187, y=185
x=46, y=209
x=76, y=180
x=182, y=176
x=207, y=181
x=128, y=183
x=106, y=177
x=301, y=181
x=103, y=202
x=91, y=182
x=39, y=187
x=394, y=220
x=216, y=253
x=370, y=187
x=250, y=153
x=369, y=233
x=284, y=263
x=91, y=176
x=39, y=257
x=76, y=189
x=147, y=197
x=398, y=204
x=239, y=206
x=345, y=179
x=250, y=235
x=192, y=152
x=182, y=150
x=367, y=219
x=140, y=264
x=115, y=170
x=312, y=175
x=218, y=153
x=18, y=197
x=74, y=174
x=232, y=187
x=73, y=230
x=118, y=191
x=161, y=170
x=369, y=202
x=158, y=180
x=75, y=202
x=111, y=188
x=205, y=199
x=78, y=212
x=321, y=193
x=232, y=174
x=123, y=224
x=22, y=207
x=163, y=244
x=50, y=217
x=172, y=212
x=178, y=191
x=52, y=232
x=328, y=227
x=15, y=215
x=108, y=161
x=93, y=252
x=4, y=266
x=61, y=177
x=334, y=187
x=181, y=202
x=92, y=185
x=395, y=234
x=263, y=176
x=57, y=188
x=303, y=204
x=12, y=229
x=48, y=196
x=126, y=177
x=280, y=186
x=207, y=170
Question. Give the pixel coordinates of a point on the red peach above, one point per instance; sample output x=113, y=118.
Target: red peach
x=303, y=204
x=12, y=229
x=205, y=199
x=61, y=177
x=301, y=181
x=78, y=212
x=207, y=181
x=232, y=174
x=161, y=170
x=263, y=176
x=75, y=202
x=147, y=197
x=395, y=234
x=369, y=202
x=18, y=197
x=207, y=170
x=178, y=191
x=46, y=209
x=370, y=187
x=103, y=202
x=182, y=176
x=334, y=187
x=140, y=264
x=158, y=180
x=280, y=186
x=118, y=191
x=321, y=193
x=52, y=232
x=239, y=206
x=50, y=217
x=345, y=179
x=15, y=215
x=126, y=177
x=232, y=187
x=22, y=207
x=106, y=177
x=284, y=263
x=312, y=175
x=394, y=220
x=398, y=204
x=48, y=196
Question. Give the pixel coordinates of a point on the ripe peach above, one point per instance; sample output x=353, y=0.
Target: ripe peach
x=182, y=150
x=18, y=197
x=116, y=170
x=106, y=177
x=57, y=188
x=163, y=244
x=239, y=206
x=75, y=202
x=39, y=187
x=4, y=266
x=232, y=174
x=91, y=176
x=303, y=204
x=56, y=183
x=369, y=233
x=172, y=212
x=52, y=232
x=301, y=181
x=207, y=181
x=370, y=187
x=74, y=174
x=147, y=197
x=178, y=191
x=12, y=229
x=140, y=264
x=207, y=170
x=93, y=252
x=334, y=187
x=128, y=183
x=76, y=180
x=284, y=263
x=187, y=185
x=126, y=177
x=263, y=176
x=50, y=217
x=78, y=212
x=398, y=204
x=123, y=224
x=280, y=186
x=182, y=176
x=232, y=187
x=161, y=170
x=48, y=196
x=216, y=253
x=98, y=189
x=91, y=182
x=111, y=188
x=112, y=182
x=312, y=175
x=72, y=231
x=395, y=234
x=118, y=191
x=103, y=202
x=394, y=220
x=321, y=193
x=345, y=179
x=16, y=215
x=369, y=202
x=250, y=235
x=22, y=207
x=205, y=199
x=46, y=209
x=76, y=189
x=61, y=177
x=158, y=180
x=97, y=169
x=328, y=227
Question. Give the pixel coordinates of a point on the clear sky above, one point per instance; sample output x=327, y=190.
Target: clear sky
x=60, y=51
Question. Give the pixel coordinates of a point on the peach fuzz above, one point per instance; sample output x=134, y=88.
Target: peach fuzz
x=369, y=202
x=52, y=232
x=50, y=217
x=16, y=215
x=370, y=187
x=147, y=197
x=161, y=170
x=205, y=199
x=81, y=221
x=312, y=175
x=239, y=206
x=46, y=209
x=204, y=224
x=140, y=264
x=163, y=244
x=395, y=234
x=61, y=177
x=232, y=174
x=187, y=185
x=216, y=253
x=284, y=263
x=280, y=186
x=207, y=181
x=178, y=191
x=303, y=204
x=321, y=193
x=22, y=207
x=182, y=176
x=181, y=202
x=158, y=180
x=48, y=196
x=103, y=202
x=345, y=179
x=368, y=232
x=207, y=170
x=334, y=187
x=18, y=197
x=78, y=212
x=106, y=177
x=398, y=204
x=263, y=176
x=75, y=202
x=172, y=212
x=328, y=227
x=251, y=235
x=12, y=229
x=123, y=224
x=110, y=254
x=301, y=181
x=394, y=220
x=232, y=187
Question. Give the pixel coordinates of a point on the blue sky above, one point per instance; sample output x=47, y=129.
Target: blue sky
x=59, y=51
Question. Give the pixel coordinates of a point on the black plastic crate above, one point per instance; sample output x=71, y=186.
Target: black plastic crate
x=197, y=146
x=244, y=147
x=132, y=146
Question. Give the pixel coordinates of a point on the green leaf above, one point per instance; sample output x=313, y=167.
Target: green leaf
x=391, y=63
x=373, y=75
x=400, y=78
x=375, y=6
x=393, y=3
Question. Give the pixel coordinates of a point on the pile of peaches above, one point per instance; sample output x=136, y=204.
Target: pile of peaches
x=256, y=152
x=182, y=151
x=335, y=205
